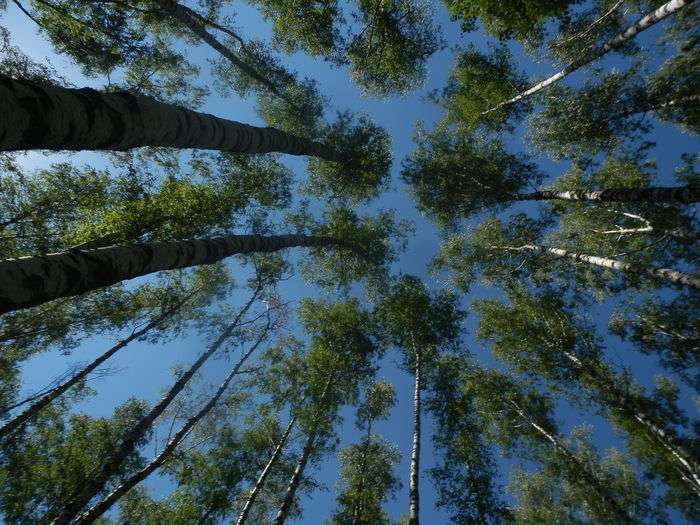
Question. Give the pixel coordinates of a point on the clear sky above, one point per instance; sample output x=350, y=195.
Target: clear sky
x=143, y=370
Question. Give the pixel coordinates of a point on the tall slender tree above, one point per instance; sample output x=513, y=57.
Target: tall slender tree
x=419, y=324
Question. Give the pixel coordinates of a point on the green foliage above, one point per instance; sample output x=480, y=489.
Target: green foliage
x=418, y=321
x=454, y=176
x=369, y=246
x=518, y=19
x=477, y=83
x=366, y=481
x=466, y=468
x=364, y=160
x=388, y=55
x=57, y=455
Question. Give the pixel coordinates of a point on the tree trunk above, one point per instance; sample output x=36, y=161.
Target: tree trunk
x=263, y=475
x=623, y=403
x=301, y=464
x=621, y=39
x=56, y=118
x=667, y=274
x=97, y=483
x=195, y=23
x=105, y=504
x=29, y=281
x=653, y=195
x=58, y=390
x=357, y=509
x=591, y=480
x=413, y=496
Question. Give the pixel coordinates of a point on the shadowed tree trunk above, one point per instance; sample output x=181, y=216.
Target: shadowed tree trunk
x=29, y=281
x=413, y=496
x=96, y=484
x=620, y=40
x=263, y=475
x=667, y=274
x=196, y=23
x=653, y=195
x=591, y=480
x=105, y=504
x=301, y=464
x=357, y=509
x=56, y=118
x=58, y=390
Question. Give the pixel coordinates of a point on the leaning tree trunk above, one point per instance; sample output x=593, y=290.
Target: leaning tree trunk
x=105, y=504
x=195, y=23
x=652, y=195
x=413, y=496
x=621, y=402
x=96, y=484
x=301, y=464
x=667, y=274
x=29, y=281
x=243, y=516
x=603, y=495
x=58, y=390
x=56, y=118
x=620, y=40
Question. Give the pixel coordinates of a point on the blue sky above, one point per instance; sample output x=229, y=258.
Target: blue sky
x=144, y=369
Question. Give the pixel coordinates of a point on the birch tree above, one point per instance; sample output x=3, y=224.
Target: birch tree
x=52, y=117
x=77, y=271
x=367, y=478
x=455, y=176
x=95, y=484
x=593, y=54
x=419, y=324
x=542, y=339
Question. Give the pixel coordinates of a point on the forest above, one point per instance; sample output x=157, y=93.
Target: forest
x=371, y=262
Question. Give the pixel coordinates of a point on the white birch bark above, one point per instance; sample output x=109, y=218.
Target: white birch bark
x=675, y=195
x=413, y=493
x=619, y=40
x=245, y=512
x=666, y=274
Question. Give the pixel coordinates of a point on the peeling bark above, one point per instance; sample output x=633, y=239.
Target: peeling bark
x=413, y=495
x=29, y=281
x=55, y=118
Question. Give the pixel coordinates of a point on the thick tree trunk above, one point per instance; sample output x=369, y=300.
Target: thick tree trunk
x=620, y=40
x=105, y=504
x=263, y=475
x=96, y=484
x=653, y=195
x=413, y=496
x=590, y=480
x=29, y=281
x=623, y=403
x=301, y=464
x=58, y=390
x=667, y=274
x=55, y=118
